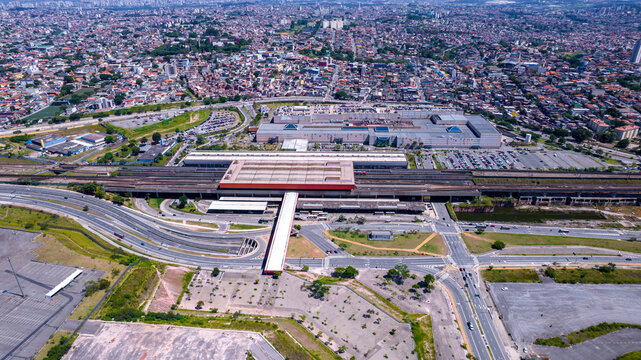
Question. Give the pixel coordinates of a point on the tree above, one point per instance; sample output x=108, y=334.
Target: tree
x=109, y=157
x=85, y=208
x=182, y=201
x=200, y=305
x=607, y=136
x=66, y=90
x=317, y=289
x=119, y=98
x=155, y=137
x=428, y=281
x=139, y=82
x=109, y=139
x=305, y=268
x=550, y=272
x=398, y=273
x=623, y=143
x=215, y=272
x=345, y=273
x=91, y=287
x=119, y=200
x=498, y=245
x=341, y=95
x=580, y=134
x=614, y=112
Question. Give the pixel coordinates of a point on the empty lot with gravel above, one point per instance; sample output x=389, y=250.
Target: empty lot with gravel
x=112, y=340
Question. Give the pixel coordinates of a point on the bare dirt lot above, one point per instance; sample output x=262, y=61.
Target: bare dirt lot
x=145, y=341
x=168, y=290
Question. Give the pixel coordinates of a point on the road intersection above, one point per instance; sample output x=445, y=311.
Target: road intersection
x=163, y=240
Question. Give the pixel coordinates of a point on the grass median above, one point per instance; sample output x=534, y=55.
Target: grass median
x=482, y=243
x=511, y=275
x=406, y=244
x=300, y=247
x=605, y=274
x=234, y=226
x=586, y=334
x=635, y=355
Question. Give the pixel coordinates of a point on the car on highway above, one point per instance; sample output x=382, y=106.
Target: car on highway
x=122, y=236
x=470, y=325
x=628, y=259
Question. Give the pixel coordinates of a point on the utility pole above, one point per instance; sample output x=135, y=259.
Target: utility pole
x=16, y=276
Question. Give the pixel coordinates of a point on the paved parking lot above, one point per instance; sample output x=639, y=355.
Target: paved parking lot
x=26, y=323
x=134, y=121
x=343, y=316
x=514, y=159
x=532, y=311
x=218, y=120
x=146, y=341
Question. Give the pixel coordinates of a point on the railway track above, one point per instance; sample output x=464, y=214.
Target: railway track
x=195, y=180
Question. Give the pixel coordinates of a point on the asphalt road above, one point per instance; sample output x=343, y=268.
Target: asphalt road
x=160, y=239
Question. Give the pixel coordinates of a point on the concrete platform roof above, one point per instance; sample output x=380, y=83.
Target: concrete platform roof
x=298, y=156
x=271, y=174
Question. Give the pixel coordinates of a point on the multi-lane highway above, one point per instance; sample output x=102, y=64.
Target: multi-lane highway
x=161, y=239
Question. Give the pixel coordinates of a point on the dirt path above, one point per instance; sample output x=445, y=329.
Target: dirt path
x=480, y=238
x=169, y=287
x=414, y=250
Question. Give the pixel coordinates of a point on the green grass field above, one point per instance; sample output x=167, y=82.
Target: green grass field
x=483, y=243
x=190, y=208
x=423, y=338
x=16, y=161
x=511, y=275
x=635, y=355
x=133, y=291
x=594, y=276
x=245, y=227
x=507, y=214
x=22, y=218
x=408, y=241
x=82, y=94
x=181, y=122
x=48, y=112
